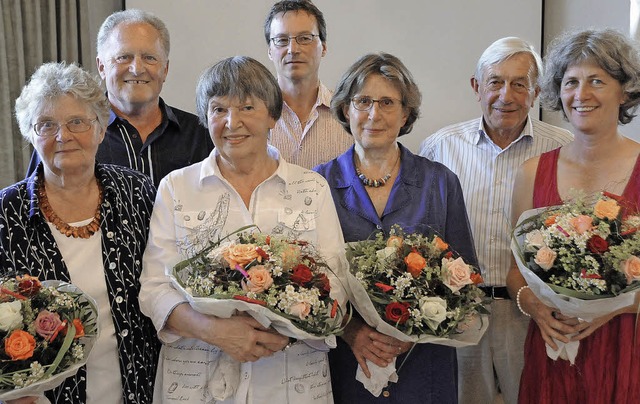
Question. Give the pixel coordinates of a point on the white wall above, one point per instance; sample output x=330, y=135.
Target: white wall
x=562, y=15
x=439, y=41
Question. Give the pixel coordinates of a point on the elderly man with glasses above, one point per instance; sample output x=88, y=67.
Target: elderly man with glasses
x=306, y=134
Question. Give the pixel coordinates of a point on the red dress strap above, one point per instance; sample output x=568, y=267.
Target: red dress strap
x=545, y=188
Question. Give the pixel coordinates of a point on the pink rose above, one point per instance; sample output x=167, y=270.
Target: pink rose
x=582, y=223
x=259, y=279
x=456, y=273
x=300, y=309
x=545, y=257
x=47, y=323
x=631, y=268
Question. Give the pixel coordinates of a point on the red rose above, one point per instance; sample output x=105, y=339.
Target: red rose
x=28, y=285
x=301, y=275
x=597, y=245
x=397, y=313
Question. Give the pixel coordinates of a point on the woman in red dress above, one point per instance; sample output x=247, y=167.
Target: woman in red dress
x=593, y=77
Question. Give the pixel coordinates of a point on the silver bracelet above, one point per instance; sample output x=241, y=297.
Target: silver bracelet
x=518, y=300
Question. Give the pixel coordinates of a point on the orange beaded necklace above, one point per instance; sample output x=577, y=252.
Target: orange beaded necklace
x=85, y=231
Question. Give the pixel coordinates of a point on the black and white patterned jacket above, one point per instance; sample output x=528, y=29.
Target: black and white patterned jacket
x=27, y=246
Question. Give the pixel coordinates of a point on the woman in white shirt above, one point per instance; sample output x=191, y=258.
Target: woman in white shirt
x=244, y=181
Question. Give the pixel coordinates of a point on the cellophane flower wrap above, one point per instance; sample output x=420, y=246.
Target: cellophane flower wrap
x=48, y=329
x=582, y=257
x=414, y=288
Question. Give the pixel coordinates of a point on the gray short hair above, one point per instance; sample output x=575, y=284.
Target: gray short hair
x=52, y=80
x=611, y=50
x=389, y=67
x=503, y=49
x=238, y=77
x=132, y=16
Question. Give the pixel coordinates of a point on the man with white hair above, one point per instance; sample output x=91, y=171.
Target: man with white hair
x=485, y=153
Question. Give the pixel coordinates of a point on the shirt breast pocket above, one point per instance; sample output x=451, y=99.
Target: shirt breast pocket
x=298, y=221
x=195, y=230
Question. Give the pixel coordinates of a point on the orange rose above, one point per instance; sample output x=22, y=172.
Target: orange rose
x=415, y=263
x=551, y=220
x=606, y=209
x=440, y=244
x=20, y=345
x=394, y=241
x=631, y=269
x=300, y=310
x=240, y=254
x=545, y=257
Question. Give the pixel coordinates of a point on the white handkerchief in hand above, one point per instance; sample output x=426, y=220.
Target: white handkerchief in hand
x=567, y=351
x=380, y=377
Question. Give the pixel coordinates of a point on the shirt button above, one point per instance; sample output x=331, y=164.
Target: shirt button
x=119, y=299
x=378, y=227
x=124, y=333
x=386, y=394
x=109, y=234
x=245, y=375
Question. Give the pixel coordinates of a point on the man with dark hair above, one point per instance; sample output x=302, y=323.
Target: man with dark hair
x=144, y=133
x=306, y=134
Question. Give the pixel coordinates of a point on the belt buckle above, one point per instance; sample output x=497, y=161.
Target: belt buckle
x=493, y=294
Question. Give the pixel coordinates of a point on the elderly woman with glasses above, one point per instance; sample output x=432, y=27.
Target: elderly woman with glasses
x=86, y=223
x=376, y=184
x=243, y=182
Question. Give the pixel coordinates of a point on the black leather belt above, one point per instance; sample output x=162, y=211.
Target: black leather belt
x=496, y=292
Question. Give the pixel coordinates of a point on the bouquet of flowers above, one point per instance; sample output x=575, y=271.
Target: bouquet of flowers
x=282, y=283
x=413, y=288
x=48, y=329
x=580, y=257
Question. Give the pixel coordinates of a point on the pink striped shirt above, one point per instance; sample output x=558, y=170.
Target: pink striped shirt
x=321, y=140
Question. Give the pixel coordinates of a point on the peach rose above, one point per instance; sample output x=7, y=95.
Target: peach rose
x=259, y=279
x=440, y=244
x=394, y=241
x=608, y=209
x=631, y=269
x=415, y=263
x=545, y=257
x=20, y=345
x=582, y=223
x=300, y=309
x=455, y=273
x=240, y=254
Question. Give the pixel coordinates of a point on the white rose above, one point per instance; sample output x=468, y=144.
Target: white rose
x=534, y=240
x=386, y=252
x=10, y=315
x=434, y=311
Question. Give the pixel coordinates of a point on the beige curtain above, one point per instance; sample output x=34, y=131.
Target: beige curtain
x=33, y=32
